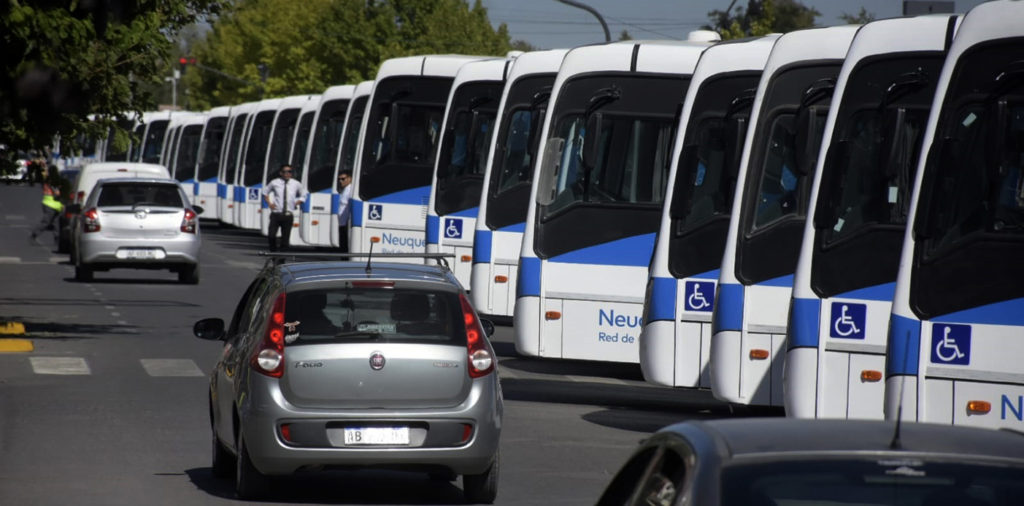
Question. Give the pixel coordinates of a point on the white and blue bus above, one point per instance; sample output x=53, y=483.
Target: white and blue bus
x=467, y=133
x=184, y=153
x=748, y=322
x=227, y=176
x=597, y=196
x=253, y=164
x=676, y=337
x=956, y=333
x=318, y=163
x=397, y=148
x=505, y=194
x=860, y=196
x=347, y=153
x=211, y=147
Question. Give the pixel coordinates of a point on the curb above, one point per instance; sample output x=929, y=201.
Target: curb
x=10, y=345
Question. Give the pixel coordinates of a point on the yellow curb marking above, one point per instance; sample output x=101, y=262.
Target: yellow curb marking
x=16, y=328
x=13, y=345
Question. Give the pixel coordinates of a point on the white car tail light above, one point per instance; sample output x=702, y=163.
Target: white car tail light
x=188, y=223
x=269, y=356
x=92, y=220
x=481, y=361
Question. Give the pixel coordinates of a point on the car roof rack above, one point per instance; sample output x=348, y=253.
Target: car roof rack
x=279, y=257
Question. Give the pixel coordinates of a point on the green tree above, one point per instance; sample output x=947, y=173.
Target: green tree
x=64, y=61
x=858, y=19
x=761, y=17
x=309, y=46
x=624, y=35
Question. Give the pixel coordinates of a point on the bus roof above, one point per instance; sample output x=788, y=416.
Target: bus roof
x=446, y=65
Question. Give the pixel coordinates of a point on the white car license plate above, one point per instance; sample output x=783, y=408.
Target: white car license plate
x=140, y=254
x=377, y=436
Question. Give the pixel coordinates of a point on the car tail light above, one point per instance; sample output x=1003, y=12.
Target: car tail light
x=188, y=223
x=373, y=284
x=80, y=198
x=481, y=362
x=269, y=356
x=92, y=220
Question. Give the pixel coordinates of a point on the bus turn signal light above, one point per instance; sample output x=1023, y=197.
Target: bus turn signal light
x=467, y=258
x=501, y=279
x=759, y=354
x=979, y=407
x=375, y=239
x=870, y=376
x=553, y=315
x=315, y=222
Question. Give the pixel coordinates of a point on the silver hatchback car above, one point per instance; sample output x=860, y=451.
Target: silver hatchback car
x=138, y=223
x=332, y=364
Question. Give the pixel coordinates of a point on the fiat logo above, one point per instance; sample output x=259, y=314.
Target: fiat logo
x=377, y=361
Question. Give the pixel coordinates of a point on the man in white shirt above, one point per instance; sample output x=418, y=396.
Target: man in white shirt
x=283, y=195
x=344, y=182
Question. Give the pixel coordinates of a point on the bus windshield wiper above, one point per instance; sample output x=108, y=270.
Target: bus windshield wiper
x=904, y=84
x=602, y=98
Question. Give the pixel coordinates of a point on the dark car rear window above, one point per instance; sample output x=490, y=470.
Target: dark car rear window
x=130, y=194
x=906, y=481
x=372, y=314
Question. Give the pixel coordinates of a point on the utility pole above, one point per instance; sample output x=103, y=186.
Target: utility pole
x=607, y=35
x=174, y=87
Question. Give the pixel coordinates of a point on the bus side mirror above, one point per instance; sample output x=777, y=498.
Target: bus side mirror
x=810, y=127
x=592, y=140
x=826, y=210
x=549, y=170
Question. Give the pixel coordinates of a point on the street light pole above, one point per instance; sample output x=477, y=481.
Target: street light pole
x=607, y=35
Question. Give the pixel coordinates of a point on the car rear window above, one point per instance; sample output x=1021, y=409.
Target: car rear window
x=372, y=314
x=907, y=481
x=131, y=194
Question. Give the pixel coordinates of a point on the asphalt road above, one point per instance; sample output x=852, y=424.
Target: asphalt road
x=109, y=407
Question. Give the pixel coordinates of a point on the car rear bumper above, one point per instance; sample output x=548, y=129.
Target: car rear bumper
x=317, y=436
x=100, y=251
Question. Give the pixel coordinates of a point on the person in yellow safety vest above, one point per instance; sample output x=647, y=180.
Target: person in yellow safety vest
x=52, y=207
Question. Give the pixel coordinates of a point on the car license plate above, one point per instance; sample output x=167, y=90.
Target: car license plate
x=140, y=254
x=376, y=435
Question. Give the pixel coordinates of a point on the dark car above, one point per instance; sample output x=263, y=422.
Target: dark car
x=67, y=181
x=332, y=364
x=784, y=461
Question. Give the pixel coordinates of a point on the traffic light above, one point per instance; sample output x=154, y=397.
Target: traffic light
x=185, y=61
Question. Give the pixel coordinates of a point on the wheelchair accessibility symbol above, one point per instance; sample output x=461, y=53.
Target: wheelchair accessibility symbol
x=254, y=194
x=700, y=296
x=848, y=320
x=452, y=228
x=376, y=212
x=951, y=344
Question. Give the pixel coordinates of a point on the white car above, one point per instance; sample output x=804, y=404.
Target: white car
x=138, y=223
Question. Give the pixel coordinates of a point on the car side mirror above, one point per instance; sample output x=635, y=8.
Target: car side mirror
x=198, y=209
x=488, y=326
x=210, y=329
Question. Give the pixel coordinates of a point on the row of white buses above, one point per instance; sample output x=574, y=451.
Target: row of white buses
x=828, y=220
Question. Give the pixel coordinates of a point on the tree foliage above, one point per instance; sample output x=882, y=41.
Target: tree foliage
x=311, y=45
x=65, y=60
x=858, y=19
x=761, y=17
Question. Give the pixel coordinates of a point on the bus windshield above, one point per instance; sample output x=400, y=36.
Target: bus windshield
x=326, y=141
x=256, y=149
x=213, y=140
x=402, y=134
x=153, y=145
x=302, y=139
x=188, y=148
x=137, y=139
x=114, y=153
x=352, y=130
x=284, y=132
x=231, y=169
x=466, y=145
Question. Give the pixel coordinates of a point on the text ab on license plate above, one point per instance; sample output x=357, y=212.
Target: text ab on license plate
x=376, y=435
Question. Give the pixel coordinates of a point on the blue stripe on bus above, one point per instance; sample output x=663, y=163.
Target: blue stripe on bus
x=728, y=313
x=883, y=292
x=188, y=181
x=1007, y=312
x=433, y=228
x=467, y=213
x=481, y=246
x=222, y=190
x=357, y=212
x=416, y=196
x=195, y=188
x=662, y=304
x=306, y=205
x=211, y=180
x=804, y=320
x=515, y=227
x=335, y=203
x=629, y=251
x=786, y=281
x=528, y=281
x=904, y=346
x=710, y=275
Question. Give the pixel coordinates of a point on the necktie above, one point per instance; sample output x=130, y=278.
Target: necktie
x=286, y=196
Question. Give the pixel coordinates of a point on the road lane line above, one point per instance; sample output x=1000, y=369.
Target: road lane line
x=59, y=365
x=171, y=367
x=10, y=260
